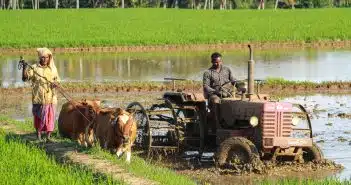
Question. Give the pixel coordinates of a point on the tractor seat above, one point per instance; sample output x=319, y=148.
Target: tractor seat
x=180, y=97
x=194, y=96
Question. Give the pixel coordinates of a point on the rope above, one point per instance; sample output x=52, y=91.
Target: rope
x=22, y=65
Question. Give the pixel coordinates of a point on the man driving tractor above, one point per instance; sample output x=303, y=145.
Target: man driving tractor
x=217, y=84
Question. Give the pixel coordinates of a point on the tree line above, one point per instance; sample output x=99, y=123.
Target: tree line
x=189, y=4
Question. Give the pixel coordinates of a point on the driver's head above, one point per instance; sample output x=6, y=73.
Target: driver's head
x=216, y=60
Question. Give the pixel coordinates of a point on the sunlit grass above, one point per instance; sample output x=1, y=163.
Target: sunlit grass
x=22, y=163
x=138, y=167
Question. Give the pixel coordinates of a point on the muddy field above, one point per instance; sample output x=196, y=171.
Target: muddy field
x=330, y=115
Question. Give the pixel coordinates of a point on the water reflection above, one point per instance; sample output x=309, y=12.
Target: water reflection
x=311, y=65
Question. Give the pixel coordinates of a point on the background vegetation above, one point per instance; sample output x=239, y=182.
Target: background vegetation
x=132, y=27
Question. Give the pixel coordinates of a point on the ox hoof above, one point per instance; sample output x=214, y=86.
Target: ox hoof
x=119, y=154
x=113, y=151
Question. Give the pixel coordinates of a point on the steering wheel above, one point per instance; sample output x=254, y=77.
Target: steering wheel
x=222, y=88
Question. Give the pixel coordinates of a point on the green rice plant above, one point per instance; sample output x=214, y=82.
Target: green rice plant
x=138, y=166
x=141, y=27
x=22, y=163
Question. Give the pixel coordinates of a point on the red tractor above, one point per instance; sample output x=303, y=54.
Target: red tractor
x=251, y=126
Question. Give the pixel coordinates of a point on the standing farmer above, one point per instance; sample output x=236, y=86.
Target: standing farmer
x=44, y=98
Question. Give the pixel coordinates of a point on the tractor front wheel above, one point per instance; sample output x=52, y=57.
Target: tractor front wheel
x=238, y=151
x=313, y=153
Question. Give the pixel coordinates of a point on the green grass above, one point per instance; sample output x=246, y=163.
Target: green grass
x=26, y=125
x=138, y=166
x=270, y=81
x=27, y=164
x=111, y=27
x=283, y=82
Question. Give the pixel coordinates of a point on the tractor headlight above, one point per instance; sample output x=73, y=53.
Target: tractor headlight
x=253, y=121
x=295, y=120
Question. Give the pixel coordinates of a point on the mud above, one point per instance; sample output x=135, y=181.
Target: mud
x=207, y=172
x=196, y=87
x=340, y=115
x=192, y=47
x=272, y=172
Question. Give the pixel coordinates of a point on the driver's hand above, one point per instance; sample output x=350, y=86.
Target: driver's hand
x=54, y=85
x=218, y=93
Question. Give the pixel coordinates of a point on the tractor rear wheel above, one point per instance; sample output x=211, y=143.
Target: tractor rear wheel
x=313, y=153
x=237, y=151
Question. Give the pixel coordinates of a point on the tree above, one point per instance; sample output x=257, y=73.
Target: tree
x=2, y=4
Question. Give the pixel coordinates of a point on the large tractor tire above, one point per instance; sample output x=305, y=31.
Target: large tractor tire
x=238, y=151
x=313, y=153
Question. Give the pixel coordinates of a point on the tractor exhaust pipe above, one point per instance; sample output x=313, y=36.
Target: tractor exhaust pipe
x=250, y=74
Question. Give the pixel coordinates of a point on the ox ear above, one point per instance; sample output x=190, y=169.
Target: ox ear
x=118, y=111
x=113, y=118
x=131, y=114
x=98, y=102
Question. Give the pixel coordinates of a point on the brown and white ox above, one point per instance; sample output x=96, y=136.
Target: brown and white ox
x=115, y=130
x=76, y=120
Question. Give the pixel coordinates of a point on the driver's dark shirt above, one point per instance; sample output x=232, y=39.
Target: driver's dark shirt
x=212, y=79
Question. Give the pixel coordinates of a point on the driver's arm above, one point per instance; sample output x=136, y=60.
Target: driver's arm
x=231, y=77
x=206, y=83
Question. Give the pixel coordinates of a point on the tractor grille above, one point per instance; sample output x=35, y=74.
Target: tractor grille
x=275, y=124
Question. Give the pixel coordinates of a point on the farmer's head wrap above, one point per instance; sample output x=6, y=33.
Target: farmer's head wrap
x=46, y=52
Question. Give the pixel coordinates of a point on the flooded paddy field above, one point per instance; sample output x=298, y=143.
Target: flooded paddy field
x=298, y=65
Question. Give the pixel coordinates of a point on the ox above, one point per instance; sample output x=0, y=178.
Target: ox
x=115, y=130
x=72, y=124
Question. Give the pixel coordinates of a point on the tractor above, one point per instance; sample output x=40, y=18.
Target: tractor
x=250, y=125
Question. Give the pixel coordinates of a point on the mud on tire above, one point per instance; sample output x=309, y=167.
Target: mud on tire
x=238, y=151
x=313, y=153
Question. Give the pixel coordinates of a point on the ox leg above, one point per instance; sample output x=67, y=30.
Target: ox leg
x=129, y=154
x=81, y=140
x=91, y=138
x=119, y=152
x=75, y=137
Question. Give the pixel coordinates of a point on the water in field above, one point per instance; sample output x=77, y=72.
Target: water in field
x=311, y=65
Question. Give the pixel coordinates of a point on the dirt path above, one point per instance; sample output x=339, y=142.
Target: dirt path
x=70, y=154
